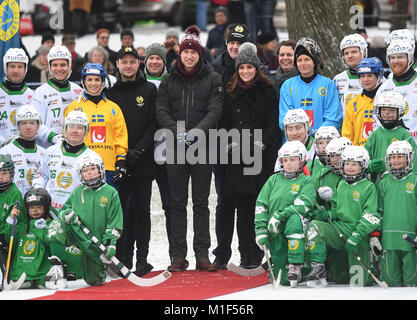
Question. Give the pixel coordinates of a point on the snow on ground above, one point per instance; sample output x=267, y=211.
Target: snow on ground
x=158, y=251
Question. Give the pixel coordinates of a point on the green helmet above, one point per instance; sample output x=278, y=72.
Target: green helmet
x=6, y=164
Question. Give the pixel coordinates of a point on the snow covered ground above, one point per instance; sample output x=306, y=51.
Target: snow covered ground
x=158, y=253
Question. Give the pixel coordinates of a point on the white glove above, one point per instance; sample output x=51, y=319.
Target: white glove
x=58, y=138
x=273, y=224
x=325, y=193
x=375, y=245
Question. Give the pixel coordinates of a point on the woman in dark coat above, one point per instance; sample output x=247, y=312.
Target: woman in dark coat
x=250, y=103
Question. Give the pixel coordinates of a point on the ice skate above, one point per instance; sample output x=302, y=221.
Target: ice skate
x=294, y=274
x=317, y=276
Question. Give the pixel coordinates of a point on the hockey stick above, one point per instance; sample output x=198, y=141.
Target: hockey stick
x=275, y=282
x=245, y=272
x=380, y=283
x=12, y=285
x=141, y=282
x=407, y=238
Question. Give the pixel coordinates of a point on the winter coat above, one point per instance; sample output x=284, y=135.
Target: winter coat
x=215, y=38
x=137, y=101
x=198, y=103
x=256, y=108
x=224, y=65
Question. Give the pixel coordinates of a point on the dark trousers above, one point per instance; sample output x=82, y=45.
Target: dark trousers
x=178, y=177
x=163, y=185
x=244, y=204
x=135, y=197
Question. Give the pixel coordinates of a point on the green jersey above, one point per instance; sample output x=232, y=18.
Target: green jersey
x=289, y=196
x=31, y=249
x=398, y=206
x=381, y=138
x=355, y=207
x=8, y=199
x=99, y=210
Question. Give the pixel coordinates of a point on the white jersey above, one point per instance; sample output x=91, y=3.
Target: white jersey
x=10, y=101
x=26, y=163
x=51, y=102
x=348, y=86
x=409, y=90
x=58, y=172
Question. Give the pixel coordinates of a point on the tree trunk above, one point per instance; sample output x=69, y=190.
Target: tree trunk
x=326, y=22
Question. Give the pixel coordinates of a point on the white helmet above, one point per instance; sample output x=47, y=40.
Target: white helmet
x=400, y=147
x=95, y=162
x=354, y=40
x=400, y=35
x=15, y=55
x=397, y=47
x=296, y=116
x=292, y=149
x=324, y=133
x=390, y=99
x=77, y=117
x=60, y=52
x=336, y=147
x=354, y=154
x=27, y=112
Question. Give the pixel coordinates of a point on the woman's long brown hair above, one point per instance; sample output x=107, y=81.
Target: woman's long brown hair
x=231, y=85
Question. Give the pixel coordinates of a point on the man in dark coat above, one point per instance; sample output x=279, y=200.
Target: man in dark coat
x=190, y=97
x=136, y=97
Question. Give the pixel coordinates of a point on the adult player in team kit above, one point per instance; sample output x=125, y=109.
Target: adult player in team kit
x=325, y=213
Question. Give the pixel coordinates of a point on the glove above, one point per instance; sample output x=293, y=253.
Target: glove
x=274, y=223
x=376, y=166
x=352, y=242
x=232, y=147
x=325, y=193
x=120, y=173
x=110, y=252
x=262, y=239
x=40, y=223
x=70, y=217
x=58, y=139
x=375, y=245
x=133, y=156
x=323, y=215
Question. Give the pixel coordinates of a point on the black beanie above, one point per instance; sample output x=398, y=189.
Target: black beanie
x=47, y=36
x=237, y=32
x=266, y=37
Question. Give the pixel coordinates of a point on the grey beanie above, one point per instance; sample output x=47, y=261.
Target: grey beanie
x=158, y=49
x=247, y=54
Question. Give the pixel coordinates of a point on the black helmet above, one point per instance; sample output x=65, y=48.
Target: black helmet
x=310, y=48
x=38, y=196
x=6, y=164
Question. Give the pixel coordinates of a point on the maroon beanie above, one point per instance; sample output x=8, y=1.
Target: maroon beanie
x=191, y=40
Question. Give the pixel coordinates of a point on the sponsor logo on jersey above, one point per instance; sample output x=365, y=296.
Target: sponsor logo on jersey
x=323, y=91
x=30, y=174
x=306, y=102
x=407, y=107
x=311, y=245
x=310, y=114
x=410, y=187
x=368, y=128
x=104, y=201
x=293, y=244
x=64, y=179
x=97, y=118
x=349, y=97
x=73, y=250
x=98, y=134
x=140, y=101
x=29, y=247
x=356, y=195
x=295, y=188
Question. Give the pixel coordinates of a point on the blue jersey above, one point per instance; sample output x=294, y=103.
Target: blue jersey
x=319, y=99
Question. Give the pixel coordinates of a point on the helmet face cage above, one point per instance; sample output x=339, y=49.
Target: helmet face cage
x=15, y=55
x=296, y=116
x=371, y=65
x=325, y=133
x=392, y=100
x=77, y=118
x=353, y=40
x=335, y=148
x=38, y=196
x=6, y=164
x=400, y=148
x=292, y=149
x=93, y=163
x=354, y=154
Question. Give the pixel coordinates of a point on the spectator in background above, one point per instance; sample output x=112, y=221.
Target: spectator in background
x=103, y=37
x=172, y=47
x=68, y=40
x=259, y=17
x=48, y=39
x=155, y=61
x=201, y=14
x=267, y=51
x=127, y=38
x=38, y=70
x=80, y=11
x=215, y=40
x=100, y=55
x=286, y=64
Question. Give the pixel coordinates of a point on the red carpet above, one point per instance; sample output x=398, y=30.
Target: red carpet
x=187, y=285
